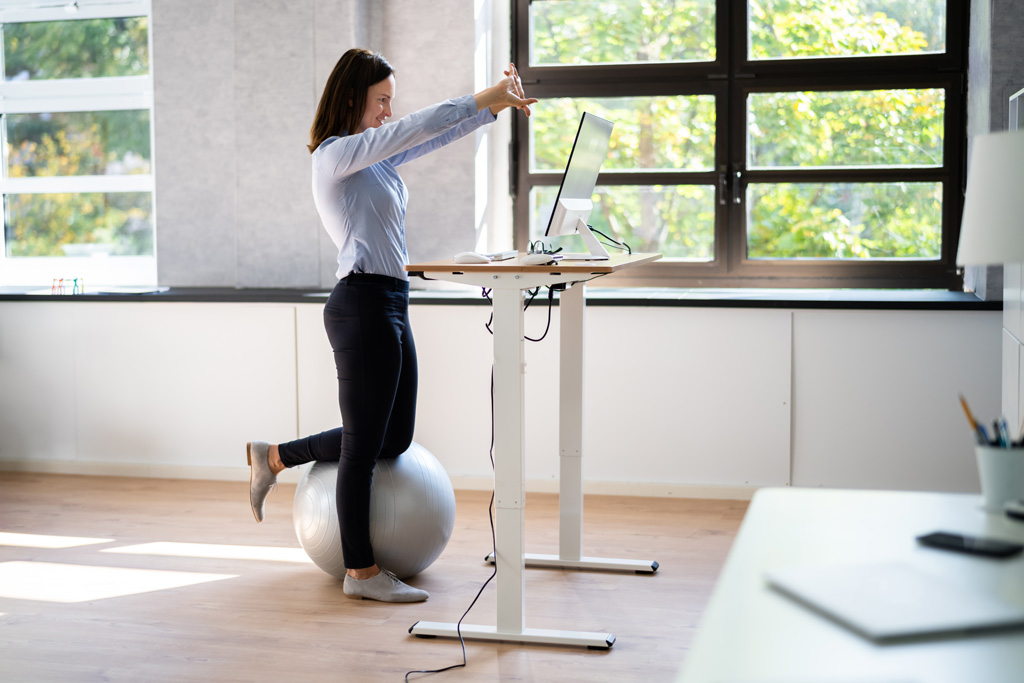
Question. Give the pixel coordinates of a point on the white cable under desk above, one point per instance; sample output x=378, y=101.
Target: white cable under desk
x=507, y=279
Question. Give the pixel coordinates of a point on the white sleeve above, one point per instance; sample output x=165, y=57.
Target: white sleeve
x=461, y=130
x=345, y=155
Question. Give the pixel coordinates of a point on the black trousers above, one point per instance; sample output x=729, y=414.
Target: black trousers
x=367, y=322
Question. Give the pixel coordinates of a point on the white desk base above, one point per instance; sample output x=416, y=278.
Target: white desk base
x=570, y=446
x=507, y=285
x=596, y=563
x=532, y=636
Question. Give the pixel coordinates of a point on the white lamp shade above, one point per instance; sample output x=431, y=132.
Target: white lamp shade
x=992, y=229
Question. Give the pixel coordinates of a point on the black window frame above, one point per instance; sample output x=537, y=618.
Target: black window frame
x=730, y=78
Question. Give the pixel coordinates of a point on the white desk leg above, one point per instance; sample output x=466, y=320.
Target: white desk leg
x=571, y=394
x=509, y=468
x=572, y=352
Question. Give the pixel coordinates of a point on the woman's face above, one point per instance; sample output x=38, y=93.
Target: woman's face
x=378, y=104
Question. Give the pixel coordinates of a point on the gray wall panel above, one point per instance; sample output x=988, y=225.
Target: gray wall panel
x=194, y=150
x=1007, y=57
x=278, y=240
x=433, y=55
x=236, y=87
x=996, y=71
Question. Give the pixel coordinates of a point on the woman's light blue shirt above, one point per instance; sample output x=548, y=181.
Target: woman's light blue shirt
x=359, y=194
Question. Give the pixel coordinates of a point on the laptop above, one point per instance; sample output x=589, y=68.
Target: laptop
x=891, y=600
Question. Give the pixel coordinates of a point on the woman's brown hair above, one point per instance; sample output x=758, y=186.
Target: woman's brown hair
x=344, y=100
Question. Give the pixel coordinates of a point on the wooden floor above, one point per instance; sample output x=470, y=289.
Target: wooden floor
x=281, y=619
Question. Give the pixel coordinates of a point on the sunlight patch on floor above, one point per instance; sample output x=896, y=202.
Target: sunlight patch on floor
x=44, y=541
x=214, y=550
x=50, y=582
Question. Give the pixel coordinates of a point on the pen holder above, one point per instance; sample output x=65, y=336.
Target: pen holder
x=1001, y=471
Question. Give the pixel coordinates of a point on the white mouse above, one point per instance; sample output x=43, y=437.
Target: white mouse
x=536, y=259
x=471, y=257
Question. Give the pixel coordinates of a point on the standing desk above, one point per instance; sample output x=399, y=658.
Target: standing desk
x=507, y=279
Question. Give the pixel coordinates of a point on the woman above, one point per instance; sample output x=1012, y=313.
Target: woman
x=361, y=200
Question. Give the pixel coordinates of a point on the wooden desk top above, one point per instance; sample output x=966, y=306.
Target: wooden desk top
x=513, y=265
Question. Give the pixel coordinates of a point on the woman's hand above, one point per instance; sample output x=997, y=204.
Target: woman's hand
x=508, y=92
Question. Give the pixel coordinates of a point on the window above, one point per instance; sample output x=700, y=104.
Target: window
x=756, y=142
x=77, y=173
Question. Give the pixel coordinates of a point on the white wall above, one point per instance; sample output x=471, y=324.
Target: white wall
x=680, y=401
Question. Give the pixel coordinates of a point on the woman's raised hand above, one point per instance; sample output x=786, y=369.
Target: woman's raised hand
x=506, y=93
x=514, y=87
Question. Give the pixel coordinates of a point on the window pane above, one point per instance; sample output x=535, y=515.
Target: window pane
x=857, y=128
x=115, y=223
x=786, y=29
x=676, y=220
x=78, y=143
x=83, y=48
x=650, y=134
x=622, y=32
x=844, y=220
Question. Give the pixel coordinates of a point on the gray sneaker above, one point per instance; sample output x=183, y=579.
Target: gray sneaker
x=261, y=479
x=385, y=587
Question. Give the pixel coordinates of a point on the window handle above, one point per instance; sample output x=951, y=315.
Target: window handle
x=737, y=182
x=723, y=185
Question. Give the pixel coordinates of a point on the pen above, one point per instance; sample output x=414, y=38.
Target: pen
x=1004, y=434
x=980, y=435
x=967, y=412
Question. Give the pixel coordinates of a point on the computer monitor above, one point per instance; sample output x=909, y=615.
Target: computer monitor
x=573, y=202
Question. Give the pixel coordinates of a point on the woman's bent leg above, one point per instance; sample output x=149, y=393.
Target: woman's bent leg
x=322, y=447
x=402, y=424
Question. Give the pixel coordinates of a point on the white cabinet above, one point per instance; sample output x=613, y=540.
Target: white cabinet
x=681, y=401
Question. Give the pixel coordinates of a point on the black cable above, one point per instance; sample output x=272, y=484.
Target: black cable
x=539, y=247
x=494, y=551
x=533, y=295
x=613, y=242
x=486, y=293
x=551, y=299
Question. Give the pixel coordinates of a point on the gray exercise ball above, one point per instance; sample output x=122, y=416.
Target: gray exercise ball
x=412, y=512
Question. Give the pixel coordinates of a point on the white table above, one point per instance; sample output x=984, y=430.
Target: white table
x=507, y=280
x=751, y=633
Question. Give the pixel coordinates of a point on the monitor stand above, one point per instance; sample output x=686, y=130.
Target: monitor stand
x=597, y=250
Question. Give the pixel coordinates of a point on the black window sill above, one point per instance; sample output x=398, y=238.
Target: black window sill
x=862, y=299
